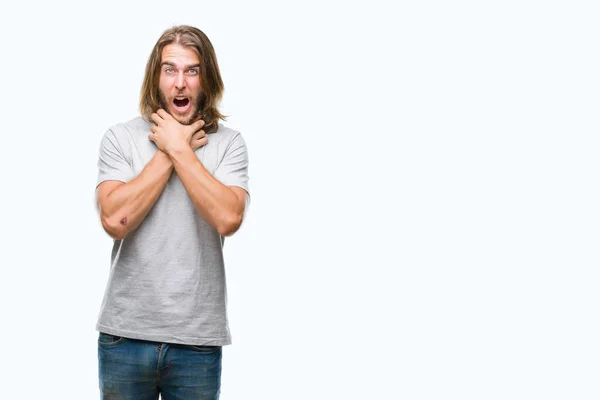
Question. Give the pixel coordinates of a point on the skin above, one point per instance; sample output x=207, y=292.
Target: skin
x=180, y=76
x=123, y=206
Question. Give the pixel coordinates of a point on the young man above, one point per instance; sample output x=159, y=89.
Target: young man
x=171, y=185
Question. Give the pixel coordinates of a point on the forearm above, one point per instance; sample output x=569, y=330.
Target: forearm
x=125, y=207
x=216, y=203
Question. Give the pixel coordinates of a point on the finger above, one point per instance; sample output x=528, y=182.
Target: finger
x=151, y=137
x=200, y=134
x=156, y=118
x=163, y=114
x=198, y=124
x=202, y=142
x=153, y=128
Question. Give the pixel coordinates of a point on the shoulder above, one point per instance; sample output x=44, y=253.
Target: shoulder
x=129, y=130
x=133, y=126
x=225, y=133
x=227, y=136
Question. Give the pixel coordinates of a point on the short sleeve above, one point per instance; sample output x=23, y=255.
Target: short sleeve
x=112, y=163
x=233, y=169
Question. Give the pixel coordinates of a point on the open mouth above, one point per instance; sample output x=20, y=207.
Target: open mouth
x=181, y=103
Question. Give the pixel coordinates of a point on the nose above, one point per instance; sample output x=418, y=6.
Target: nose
x=180, y=81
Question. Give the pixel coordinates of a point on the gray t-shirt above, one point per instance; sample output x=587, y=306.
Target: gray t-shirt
x=167, y=277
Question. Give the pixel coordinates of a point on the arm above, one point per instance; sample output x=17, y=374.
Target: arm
x=218, y=199
x=123, y=206
x=222, y=207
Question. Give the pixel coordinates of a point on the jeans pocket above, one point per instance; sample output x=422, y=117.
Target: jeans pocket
x=205, y=349
x=106, y=339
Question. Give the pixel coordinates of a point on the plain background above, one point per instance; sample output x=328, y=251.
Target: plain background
x=424, y=175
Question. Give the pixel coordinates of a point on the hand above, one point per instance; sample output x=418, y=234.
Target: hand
x=169, y=135
x=198, y=140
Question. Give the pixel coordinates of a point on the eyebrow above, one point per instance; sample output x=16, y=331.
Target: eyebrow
x=173, y=65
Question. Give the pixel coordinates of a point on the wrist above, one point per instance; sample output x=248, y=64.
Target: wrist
x=177, y=152
x=164, y=157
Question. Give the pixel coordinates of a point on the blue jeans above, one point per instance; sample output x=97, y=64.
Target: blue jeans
x=140, y=370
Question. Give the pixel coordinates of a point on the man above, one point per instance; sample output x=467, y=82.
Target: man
x=171, y=185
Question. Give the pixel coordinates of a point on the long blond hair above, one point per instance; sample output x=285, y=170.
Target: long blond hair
x=210, y=76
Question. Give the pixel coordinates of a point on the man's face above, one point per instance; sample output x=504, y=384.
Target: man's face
x=180, y=92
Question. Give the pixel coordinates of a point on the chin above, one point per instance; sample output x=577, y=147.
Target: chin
x=185, y=119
